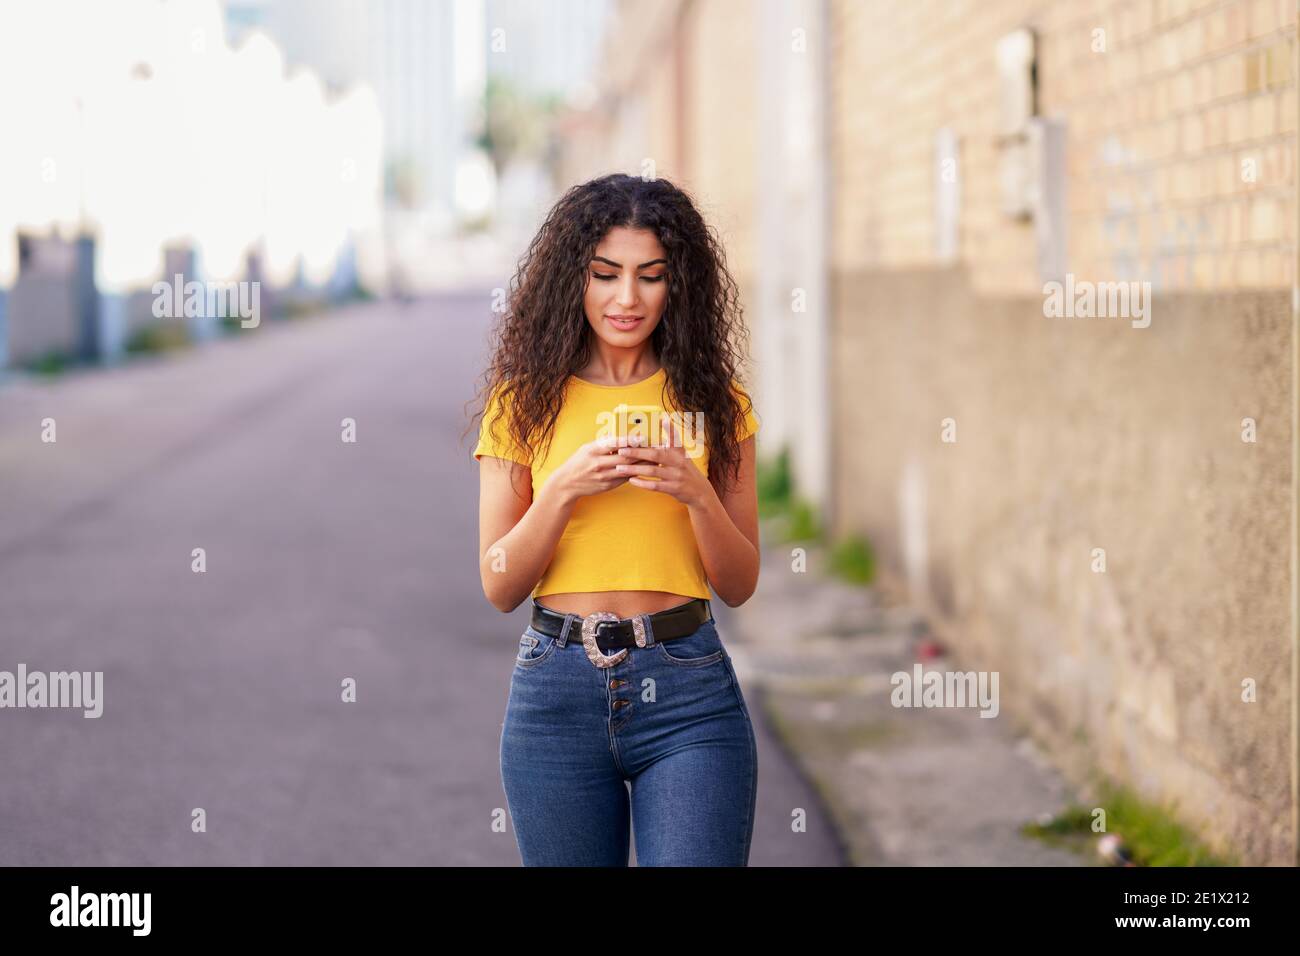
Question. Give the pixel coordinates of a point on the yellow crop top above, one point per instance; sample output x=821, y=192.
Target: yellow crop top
x=628, y=538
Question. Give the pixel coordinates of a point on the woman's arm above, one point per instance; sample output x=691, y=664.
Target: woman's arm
x=726, y=533
x=517, y=535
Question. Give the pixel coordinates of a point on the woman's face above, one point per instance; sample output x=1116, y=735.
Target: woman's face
x=627, y=276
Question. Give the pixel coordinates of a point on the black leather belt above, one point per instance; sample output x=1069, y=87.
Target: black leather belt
x=679, y=621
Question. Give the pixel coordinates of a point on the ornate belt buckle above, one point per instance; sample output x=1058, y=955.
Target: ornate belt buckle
x=594, y=653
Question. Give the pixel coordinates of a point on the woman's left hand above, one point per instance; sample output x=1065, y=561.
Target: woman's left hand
x=677, y=474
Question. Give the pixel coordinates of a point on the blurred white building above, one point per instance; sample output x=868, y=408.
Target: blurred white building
x=145, y=129
x=424, y=61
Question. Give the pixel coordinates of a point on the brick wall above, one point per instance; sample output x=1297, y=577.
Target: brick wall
x=1159, y=126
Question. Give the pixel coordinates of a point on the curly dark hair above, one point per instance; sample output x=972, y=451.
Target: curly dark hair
x=543, y=337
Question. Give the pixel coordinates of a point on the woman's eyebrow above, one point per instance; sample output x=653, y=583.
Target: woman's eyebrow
x=619, y=265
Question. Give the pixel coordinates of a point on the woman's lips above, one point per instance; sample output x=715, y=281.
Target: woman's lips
x=624, y=324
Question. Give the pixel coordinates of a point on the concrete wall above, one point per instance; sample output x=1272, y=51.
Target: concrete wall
x=1071, y=435
x=42, y=319
x=45, y=308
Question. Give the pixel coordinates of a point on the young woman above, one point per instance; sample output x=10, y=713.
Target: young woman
x=616, y=485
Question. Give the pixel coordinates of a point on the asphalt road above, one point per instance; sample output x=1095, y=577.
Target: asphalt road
x=325, y=560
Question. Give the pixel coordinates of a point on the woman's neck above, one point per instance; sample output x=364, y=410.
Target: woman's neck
x=620, y=370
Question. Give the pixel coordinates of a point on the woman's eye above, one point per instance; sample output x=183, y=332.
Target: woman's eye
x=597, y=275
x=653, y=278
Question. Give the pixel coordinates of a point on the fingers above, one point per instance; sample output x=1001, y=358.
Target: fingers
x=610, y=444
x=608, y=472
x=646, y=453
x=629, y=468
x=667, y=487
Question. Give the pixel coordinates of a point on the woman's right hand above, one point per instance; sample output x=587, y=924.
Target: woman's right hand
x=591, y=469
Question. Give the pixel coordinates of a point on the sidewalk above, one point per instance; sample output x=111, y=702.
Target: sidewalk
x=905, y=786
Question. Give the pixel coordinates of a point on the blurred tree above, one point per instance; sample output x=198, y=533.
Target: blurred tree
x=517, y=122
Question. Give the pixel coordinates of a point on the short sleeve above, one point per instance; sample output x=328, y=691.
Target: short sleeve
x=751, y=418
x=497, y=441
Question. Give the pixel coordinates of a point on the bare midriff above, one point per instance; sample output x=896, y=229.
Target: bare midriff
x=623, y=603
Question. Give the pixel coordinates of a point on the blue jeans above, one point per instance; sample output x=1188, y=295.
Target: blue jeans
x=669, y=722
